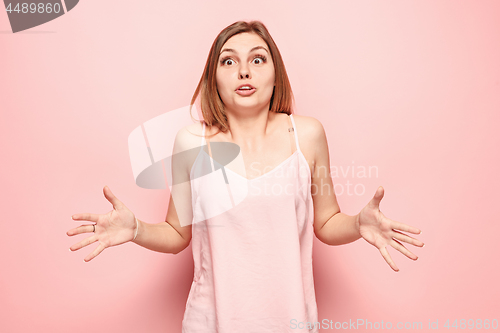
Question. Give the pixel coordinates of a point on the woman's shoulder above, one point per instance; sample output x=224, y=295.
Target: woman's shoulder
x=188, y=141
x=307, y=126
x=189, y=136
x=194, y=128
x=311, y=136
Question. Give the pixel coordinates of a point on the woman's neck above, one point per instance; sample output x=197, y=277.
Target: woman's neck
x=249, y=128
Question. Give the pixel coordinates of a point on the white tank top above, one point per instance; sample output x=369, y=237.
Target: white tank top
x=252, y=249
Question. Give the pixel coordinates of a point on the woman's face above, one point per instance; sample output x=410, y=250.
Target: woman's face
x=245, y=62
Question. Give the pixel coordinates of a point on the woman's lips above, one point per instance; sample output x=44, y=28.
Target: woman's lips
x=245, y=92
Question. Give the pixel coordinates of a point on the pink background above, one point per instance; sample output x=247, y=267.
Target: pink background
x=411, y=87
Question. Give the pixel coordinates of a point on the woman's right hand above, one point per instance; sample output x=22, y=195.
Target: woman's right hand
x=113, y=228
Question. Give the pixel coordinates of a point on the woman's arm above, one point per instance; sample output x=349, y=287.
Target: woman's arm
x=339, y=229
x=331, y=226
x=174, y=235
x=119, y=225
x=167, y=237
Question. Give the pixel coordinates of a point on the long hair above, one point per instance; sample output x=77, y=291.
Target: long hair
x=212, y=107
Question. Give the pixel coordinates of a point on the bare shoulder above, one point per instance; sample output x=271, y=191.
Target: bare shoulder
x=188, y=137
x=309, y=129
x=312, y=138
x=187, y=145
x=307, y=123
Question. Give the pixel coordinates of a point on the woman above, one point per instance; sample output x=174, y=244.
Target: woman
x=251, y=229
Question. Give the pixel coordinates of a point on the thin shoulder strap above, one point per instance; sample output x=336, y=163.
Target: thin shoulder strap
x=213, y=164
x=207, y=142
x=293, y=145
x=295, y=133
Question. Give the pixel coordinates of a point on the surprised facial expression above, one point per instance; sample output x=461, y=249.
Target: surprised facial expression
x=245, y=73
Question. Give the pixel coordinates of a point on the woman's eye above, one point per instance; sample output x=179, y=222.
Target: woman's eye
x=227, y=62
x=258, y=60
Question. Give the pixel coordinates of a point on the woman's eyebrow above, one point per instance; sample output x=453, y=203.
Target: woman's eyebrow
x=253, y=49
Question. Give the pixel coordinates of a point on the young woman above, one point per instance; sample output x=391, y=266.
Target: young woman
x=251, y=227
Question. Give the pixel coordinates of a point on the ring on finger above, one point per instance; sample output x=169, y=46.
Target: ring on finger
x=93, y=225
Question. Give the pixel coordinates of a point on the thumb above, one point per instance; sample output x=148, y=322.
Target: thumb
x=111, y=198
x=379, y=194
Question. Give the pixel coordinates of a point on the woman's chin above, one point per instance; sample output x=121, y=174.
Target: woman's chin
x=248, y=107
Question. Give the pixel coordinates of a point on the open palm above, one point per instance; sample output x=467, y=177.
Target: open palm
x=113, y=228
x=381, y=231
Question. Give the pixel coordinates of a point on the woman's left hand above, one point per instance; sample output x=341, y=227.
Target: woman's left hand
x=380, y=231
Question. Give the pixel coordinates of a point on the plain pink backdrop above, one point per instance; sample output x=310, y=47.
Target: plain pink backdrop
x=410, y=87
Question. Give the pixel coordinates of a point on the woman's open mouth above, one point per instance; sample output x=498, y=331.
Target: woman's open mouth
x=245, y=90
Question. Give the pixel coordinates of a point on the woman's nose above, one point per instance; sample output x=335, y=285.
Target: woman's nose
x=244, y=72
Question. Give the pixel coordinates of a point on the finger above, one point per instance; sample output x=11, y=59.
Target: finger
x=404, y=227
x=401, y=248
x=111, y=197
x=81, y=229
x=83, y=243
x=85, y=217
x=405, y=238
x=379, y=194
x=95, y=253
x=388, y=259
